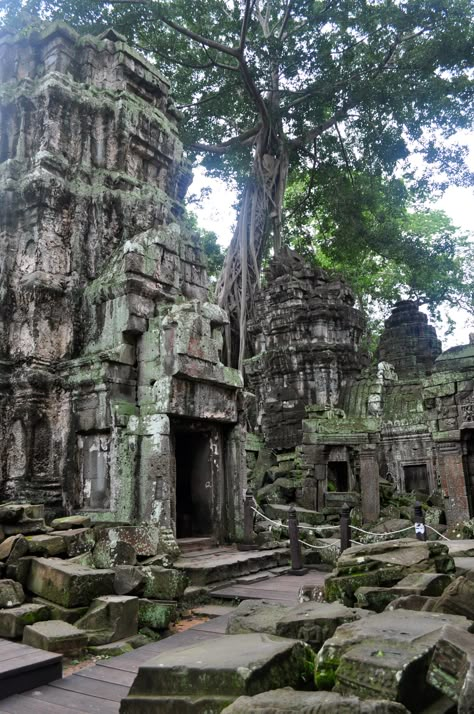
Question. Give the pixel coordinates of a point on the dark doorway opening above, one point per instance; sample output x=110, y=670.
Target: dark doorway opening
x=338, y=475
x=416, y=478
x=193, y=484
x=468, y=465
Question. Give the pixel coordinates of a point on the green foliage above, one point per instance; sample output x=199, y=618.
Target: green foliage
x=347, y=92
x=208, y=240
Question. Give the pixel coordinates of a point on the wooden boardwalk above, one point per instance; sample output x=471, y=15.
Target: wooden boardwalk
x=100, y=688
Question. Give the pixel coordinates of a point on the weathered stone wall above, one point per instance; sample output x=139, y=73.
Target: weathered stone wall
x=306, y=336
x=105, y=329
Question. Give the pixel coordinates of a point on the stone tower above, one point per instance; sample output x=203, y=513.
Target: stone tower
x=106, y=338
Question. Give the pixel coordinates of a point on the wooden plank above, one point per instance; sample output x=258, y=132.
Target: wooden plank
x=29, y=661
x=19, y=704
x=71, y=700
x=107, y=674
x=92, y=687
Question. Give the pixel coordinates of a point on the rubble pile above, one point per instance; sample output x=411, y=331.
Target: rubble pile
x=70, y=585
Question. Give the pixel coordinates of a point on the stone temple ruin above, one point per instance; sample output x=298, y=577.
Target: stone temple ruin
x=113, y=399
x=120, y=426
x=114, y=402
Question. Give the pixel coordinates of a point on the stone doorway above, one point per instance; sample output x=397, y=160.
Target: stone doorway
x=195, y=483
x=338, y=475
x=468, y=465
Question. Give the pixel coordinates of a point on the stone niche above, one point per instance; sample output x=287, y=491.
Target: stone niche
x=109, y=348
x=307, y=342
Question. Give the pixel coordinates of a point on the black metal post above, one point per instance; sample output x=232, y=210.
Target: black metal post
x=248, y=543
x=420, y=529
x=345, y=527
x=295, y=547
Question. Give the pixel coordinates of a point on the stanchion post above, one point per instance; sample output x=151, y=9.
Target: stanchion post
x=295, y=547
x=345, y=527
x=420, y=528
x=248, y=543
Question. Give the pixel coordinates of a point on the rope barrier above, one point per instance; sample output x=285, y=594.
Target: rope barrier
x=450, y=540
x=280, y=524
x=381, y=535
x=319, y=547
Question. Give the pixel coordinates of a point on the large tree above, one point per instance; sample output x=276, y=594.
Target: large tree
x=267, y=86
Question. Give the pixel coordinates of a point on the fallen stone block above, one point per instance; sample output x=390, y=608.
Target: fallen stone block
x=458, y=598
x=398, y=626
x=14, y=620
x=211, y=674
x=413, y=602
x=129, y=580
x=19, y=570
x=110, y=618
x=27, y=526
x=393, y=670
x=156, y=614
x=13, y=548
x=163, y=583
x=144, y=538
x=55, y=636
x=312, y=622
x=451, y=669
x=68, y=522
x=110, y=553
x=47, y=545
x=68, y=584
x=58, y=612
x=78, y=541
x=289, y=701
x=428, y=584
x=375, y=599
x=384, y=565
x=11, y=594
x=14, y=512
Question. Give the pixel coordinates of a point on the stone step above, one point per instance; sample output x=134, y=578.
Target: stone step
x=23, y=668
x=192, y=545
x=230, y=565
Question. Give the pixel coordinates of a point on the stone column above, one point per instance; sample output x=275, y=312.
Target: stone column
x=369, y=484
x=453, y=482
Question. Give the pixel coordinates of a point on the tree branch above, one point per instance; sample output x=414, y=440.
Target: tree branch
x=195, y=36
x=249, y=5
x=226, y=145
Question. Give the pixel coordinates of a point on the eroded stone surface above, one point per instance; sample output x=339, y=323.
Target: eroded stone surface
x=451, y=669
x=14, y=620
x=67, y=584
x=11, y=594
x=55, y=636
x=110, y=618
x=289, y=701
x=217, y=671
x=311, y=622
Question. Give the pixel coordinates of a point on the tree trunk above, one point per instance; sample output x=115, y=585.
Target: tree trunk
x=259, y=215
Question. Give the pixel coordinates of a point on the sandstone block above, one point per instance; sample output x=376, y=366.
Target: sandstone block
x=163, y=583
x=211, y=674
x=144, y=539
x=129, y=580
x=110, y=618
x=66, y=584
x=55, y=636
x=14, y=620
x=58, y=612
x=27, y=526
x=287, y=700
x=156, y=614
x=14, y=512
x=451, y=669
x=11, y=594
x=47, y=545
x=13, y=547
x=77, y=540
x=312, y=622
x=108, y=554
x=458, y=598
x=67, y=522
x=398, y=626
